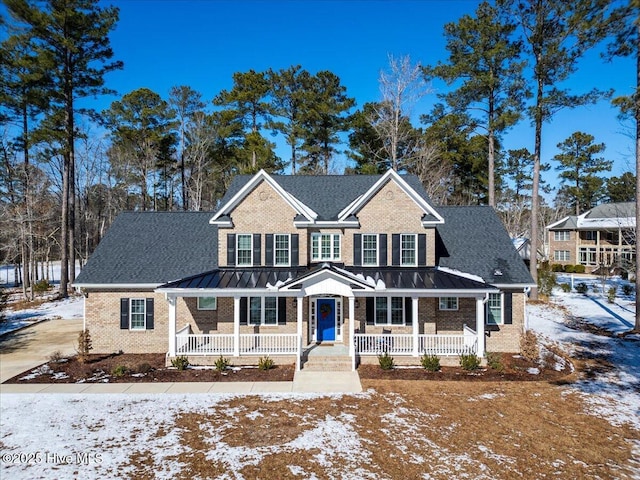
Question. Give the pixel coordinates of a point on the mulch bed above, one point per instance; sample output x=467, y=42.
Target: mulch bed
x=514, y=368
x=144, y=368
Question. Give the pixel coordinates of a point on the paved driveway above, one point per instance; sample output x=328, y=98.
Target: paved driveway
x=32, y=346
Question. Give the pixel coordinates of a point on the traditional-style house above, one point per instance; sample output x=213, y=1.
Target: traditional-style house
x=603, y=237
x=289, y=264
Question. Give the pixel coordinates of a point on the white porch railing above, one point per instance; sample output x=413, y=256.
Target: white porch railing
x=402, y=344
x=269, y=344
x=250, y=344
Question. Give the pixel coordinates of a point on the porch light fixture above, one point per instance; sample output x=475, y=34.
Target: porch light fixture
x=357, y=304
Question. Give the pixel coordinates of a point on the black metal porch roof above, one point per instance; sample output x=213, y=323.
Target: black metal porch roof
x=392, y=278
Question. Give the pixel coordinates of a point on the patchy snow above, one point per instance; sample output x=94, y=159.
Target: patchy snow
x=69, y=308
x=587, y=326
x=458, y=273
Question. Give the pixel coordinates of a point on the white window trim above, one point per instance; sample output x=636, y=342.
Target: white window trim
x=377, y=256
x=415, y=250
x=275, y=242
x=445, y=307
x=389, y=312
x=566, y=255
x=250, y=264
x=214, y=307
x=317, y=237
x=144, y=314
x=262, y=313
x=501, y=322
x=565, y=233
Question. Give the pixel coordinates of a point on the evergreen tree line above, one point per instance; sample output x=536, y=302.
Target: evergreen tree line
x=62, y=181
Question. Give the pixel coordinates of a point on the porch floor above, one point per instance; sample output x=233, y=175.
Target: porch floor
x=325, y=350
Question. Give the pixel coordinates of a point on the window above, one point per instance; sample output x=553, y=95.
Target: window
x=244, y=250
x=137, y=314
x=590, y=235
x=263, y=311
x=448, y=303
x=494, y=309
x=561, y=255
x=390, y=311
x=207, y=303
x=325, y=246
x=281, y=250
x=562, y=236
x=370, y=250
x=408, y=250
x=587, y=256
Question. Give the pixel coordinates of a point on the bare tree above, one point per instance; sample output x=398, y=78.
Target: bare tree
x=401, y=87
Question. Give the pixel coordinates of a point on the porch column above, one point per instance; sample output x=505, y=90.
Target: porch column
x=172, y=326
x=414, y=322
x=352, y=331
x=480, y=325
x=236, y=326
x=299, y=309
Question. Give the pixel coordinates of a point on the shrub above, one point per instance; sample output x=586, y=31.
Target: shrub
x=469, y=361
x=265, y=363
x=56, y=357
x=546, y=281
x=565, y=287
x=611, y=294
x=85, y=345
x=579, y=269
x=494, y=360
x=120, y=371
x=627, y=289
x=430, y=362
x=41, y=286
x=529, y=346
x=386, y=361
x=556, y=267
x=222, y=363
x=144, y=368
x=570, y=268
x=582, y=288
x=181, y=362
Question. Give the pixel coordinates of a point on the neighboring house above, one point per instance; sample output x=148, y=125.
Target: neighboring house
x=605, y=236
x=289, y=263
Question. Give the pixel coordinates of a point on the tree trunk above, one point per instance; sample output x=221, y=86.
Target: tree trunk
x=492, y=158
x=64, y=230
x=533, y=257
x=637, y=116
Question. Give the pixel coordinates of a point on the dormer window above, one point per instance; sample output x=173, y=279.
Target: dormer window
x=325, y=247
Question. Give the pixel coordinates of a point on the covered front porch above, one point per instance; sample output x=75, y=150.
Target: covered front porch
x=296, y=325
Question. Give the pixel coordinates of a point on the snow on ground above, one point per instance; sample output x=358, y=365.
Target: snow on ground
x=569, y=321
x=72, y=307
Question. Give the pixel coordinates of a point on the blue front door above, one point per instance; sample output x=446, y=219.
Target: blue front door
x=326, y=314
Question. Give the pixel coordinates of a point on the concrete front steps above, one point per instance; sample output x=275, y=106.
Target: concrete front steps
x=326, y=358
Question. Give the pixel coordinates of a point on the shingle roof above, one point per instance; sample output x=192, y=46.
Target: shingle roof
x=153, y=248
x=613, y=210
x=327, y=195
x=473, y=240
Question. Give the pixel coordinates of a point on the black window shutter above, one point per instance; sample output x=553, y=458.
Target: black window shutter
x=408, y=311
x=243, y=311
x=257, y=249
x=395, y=249
x=231, y=249
x=371, y=311
x=357, y=249
x=149, y=318
x=282, y=310
x=508, y=309
x=422, y=249
x=124, y=314
x=295, y=250
x=268, y=249
x=382, y=249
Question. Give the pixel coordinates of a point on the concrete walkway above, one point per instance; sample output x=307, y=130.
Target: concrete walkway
x=303, y=382
x=32, y=346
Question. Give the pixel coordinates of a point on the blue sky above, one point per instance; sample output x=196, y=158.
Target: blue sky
x=201, y=43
